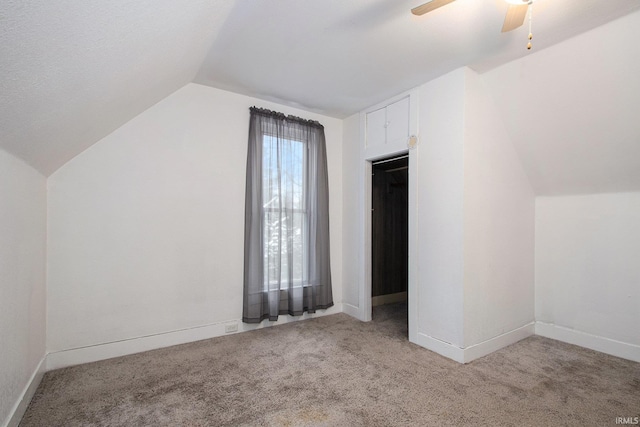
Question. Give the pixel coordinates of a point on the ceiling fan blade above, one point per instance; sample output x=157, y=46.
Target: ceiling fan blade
x=515, y=17
x=428, y=7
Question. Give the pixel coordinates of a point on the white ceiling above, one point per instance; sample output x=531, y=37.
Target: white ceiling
x=573, y=111
x=338, y=57
x=72, y=71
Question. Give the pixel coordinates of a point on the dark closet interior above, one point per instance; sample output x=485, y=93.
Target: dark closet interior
x=390, y=229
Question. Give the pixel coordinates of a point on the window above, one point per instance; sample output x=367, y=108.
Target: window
x=285, y=212
x=286, y=267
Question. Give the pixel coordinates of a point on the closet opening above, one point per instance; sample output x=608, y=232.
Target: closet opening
x=390, y=239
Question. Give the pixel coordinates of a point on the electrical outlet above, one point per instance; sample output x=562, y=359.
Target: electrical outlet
x=231, y=327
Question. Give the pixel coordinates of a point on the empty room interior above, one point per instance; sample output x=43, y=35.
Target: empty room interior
x=319, y=212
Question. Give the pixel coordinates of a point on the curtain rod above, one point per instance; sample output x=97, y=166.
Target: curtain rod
x=281, y=116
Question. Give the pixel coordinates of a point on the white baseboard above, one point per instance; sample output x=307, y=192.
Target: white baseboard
x=496, y=343
x=20, y=407
x=352, y=310
x=93, y=353
x=441, y=347
x=593, y=342
x=468, y=354
x=389, y=298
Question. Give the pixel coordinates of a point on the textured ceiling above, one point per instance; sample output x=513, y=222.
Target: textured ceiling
x=73, y=71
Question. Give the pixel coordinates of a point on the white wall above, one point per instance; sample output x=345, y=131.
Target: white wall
x=475, y=223
x=440, y=212
x=488, y=273
x=146, y=228
x=22, y=284
x=499, y=210
x=436, y=164
x=588, y=271
x=352, y=199
x=571, y=110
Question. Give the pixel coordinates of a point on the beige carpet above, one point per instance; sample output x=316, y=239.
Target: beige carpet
x=337, y=371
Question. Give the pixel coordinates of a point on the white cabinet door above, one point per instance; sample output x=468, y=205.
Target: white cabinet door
x=376, y=128
x=398, y=121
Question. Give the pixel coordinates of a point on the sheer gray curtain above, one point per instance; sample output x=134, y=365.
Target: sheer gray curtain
x=286, y=254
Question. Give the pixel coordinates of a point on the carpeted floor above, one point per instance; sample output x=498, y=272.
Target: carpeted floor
x=337, y=371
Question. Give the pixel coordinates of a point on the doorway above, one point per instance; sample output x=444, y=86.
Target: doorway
x=390, y=235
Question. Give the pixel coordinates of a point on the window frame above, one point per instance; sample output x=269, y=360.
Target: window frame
x=269, y=285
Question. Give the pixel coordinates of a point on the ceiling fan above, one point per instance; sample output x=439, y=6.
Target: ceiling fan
x=515, y=14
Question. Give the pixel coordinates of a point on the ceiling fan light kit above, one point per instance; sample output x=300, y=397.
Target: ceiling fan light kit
x=516, y=13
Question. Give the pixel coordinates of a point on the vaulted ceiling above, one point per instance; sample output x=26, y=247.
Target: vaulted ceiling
x=573, y=111
x=72, y=71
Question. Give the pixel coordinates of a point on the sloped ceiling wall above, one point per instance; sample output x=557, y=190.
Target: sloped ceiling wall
x=573, y=111
x=74, y=71
x=337, y=57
